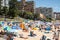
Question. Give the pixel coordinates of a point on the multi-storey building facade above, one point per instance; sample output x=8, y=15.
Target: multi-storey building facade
x=26, y=6
x=29, y=6
x=46, y=11
x=57, y=15
x=5, y=3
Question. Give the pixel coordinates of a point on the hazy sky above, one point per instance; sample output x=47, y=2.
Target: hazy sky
x=55, y=4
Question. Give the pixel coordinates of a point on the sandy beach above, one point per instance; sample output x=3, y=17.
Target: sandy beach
x=46, y=30
x=37, y=37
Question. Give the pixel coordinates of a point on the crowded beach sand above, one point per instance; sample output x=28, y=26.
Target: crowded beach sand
x=30, y=33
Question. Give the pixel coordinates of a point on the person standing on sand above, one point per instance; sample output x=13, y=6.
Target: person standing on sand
x=1, y=28
x=56, y=35
x=30, y=30
x=40, y=27
x=26, y=26
x=43, y=37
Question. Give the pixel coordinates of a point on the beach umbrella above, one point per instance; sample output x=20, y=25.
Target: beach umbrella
x=13, y=30
x=48, y=28
x=16, y=27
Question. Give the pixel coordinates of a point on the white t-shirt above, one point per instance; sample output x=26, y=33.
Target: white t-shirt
x=30, y=29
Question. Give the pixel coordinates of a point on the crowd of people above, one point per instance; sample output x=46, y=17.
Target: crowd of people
x=28, y=26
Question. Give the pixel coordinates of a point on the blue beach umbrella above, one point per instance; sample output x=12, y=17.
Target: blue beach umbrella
x=48, y=28
x=13, y=30
x=16, y=27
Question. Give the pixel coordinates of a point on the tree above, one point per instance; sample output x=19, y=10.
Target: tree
x=36, y=16
x=0, y=7
x=5, y=11
x=27, y=15
x=13, y=10
x=48, y=18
